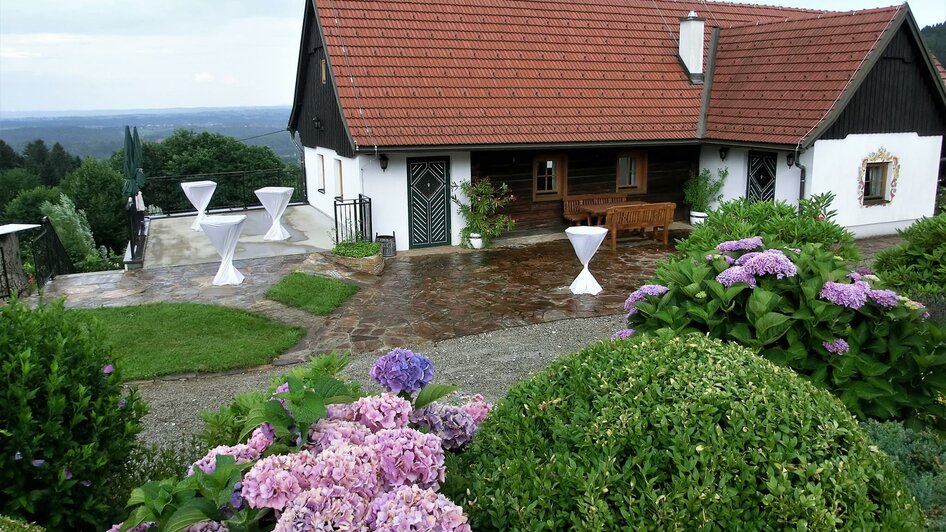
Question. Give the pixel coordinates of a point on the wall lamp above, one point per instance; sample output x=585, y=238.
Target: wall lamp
x=723, y=152
x=383, y=160
x=790, y=159
x=317, y=122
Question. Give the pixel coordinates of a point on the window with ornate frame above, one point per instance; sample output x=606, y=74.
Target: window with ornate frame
x=877, y=178
x=548, y=177
x=875, y=182
x=321, y=174
x=631, y=172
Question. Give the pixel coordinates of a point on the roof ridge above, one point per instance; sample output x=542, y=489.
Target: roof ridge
x=824, y=15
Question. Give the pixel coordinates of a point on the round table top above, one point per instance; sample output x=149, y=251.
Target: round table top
x=585, y=230
x=223, y=219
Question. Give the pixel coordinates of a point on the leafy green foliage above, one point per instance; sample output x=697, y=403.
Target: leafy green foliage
x=894, y=368
x=675, y=433
x=702, y=190
x=65, y=425
x=778, y=223
x=71, y=226
x=918, y=265
x=480, y=202
x=9, y=524
x=166, y=338
x=921, y=457
x=358, y=248
x=50, y=165
x=12, y=182
x=9, y=158
x=24, y=208
x=96, y=189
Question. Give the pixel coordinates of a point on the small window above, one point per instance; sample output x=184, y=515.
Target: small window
x=632, y=172
x=321, y=173
x=322, y=67
x=548, y=173
x=338, y=179
x=875, y=182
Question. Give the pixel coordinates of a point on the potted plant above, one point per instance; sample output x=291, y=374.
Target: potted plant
x=359, y=255
x=702, y=190
x=478, y=202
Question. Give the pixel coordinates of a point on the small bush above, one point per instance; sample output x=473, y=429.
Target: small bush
x=918, y=265
x=360, y=248
x=9, y=524
x=921, y=457
x=24, y=208
x=66, y=426
x=676, y=433
x=778, y=223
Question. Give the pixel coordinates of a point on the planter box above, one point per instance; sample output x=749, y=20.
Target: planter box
x=372, y=265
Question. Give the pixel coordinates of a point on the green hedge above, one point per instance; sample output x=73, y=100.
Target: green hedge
x=918, y=265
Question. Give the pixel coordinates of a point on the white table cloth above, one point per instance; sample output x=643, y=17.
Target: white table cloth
x=224, y=233
x=199, y=194
x=585, y=240
x=275, y=200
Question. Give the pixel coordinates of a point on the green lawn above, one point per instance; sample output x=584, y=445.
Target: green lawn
x=166, y=338
x=318, y=295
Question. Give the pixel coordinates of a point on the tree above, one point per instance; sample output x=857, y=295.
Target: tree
x=35, y=155
x=71, y=227
x=9, y=158
x=96, y=188
x=13, y=181
x=25, y=207
x=935, y=38
x=186, y=153
x=59, y=163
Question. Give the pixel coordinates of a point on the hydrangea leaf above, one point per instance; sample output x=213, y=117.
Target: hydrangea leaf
x=430, y=393
x=189, y=514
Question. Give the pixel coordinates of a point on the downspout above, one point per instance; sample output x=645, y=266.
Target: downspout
x=802, y=176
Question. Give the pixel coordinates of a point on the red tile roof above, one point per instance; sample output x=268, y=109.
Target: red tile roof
x=775, y=83
x=482, y=72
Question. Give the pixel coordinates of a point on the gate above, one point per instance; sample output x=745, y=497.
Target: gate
x=428, y=201
x=49, y=256
x=353, y=219
x=760, y=185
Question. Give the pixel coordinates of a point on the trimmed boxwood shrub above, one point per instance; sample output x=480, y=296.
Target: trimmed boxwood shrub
x=805, y=309
x=65, y=425
x=779, y=223
x=676, y=433
x=918, y=265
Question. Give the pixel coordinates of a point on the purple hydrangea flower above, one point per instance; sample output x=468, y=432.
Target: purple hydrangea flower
x=852, y=296
x=108, y=369
x=402, y=370
x=327, y=432
x=38, y=462
x=324, y=508
x=736, y=274
x=854, y=276
x=407, y=456
x=67, y=474
x=121, y=403
x=884, y=298
x=836, y=346
x=207, y=526
x=454, y=425
x=86, y=483
x=623, y=333
x=478, y=408
x=741, y=261
x=641, y=293
x=236, y=500
x=385, y=411
x=769, y=262
x=745, y=244
x=415, y=508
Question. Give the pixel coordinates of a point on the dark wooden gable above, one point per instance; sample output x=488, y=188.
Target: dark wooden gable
x=315, y=110
x=897, y=96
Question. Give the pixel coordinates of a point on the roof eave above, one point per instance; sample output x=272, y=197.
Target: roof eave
x=521, y=146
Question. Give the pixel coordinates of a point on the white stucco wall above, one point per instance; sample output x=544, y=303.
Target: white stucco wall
x=836, y=168
x=737, y=161
x=388, y=192
x=351, y=181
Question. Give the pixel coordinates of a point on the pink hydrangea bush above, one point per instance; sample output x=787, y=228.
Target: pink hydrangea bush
x=415, y=508
x=406, y=456
x=325, y=508
x=385, y=411
x=477, y=408
x=326, y=432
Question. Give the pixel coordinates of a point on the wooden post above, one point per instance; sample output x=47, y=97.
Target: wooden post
x=12, y=275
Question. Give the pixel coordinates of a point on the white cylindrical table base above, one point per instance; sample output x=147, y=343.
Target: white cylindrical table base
x=585, y=240
x=199, y=194
x=275, y=200
x=224, y=233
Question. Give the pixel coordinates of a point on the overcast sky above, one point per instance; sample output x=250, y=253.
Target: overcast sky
x=109, y=54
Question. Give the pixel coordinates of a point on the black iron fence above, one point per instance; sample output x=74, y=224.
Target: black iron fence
x=353, y=219
x=49, y=256
x=235, y=190
x=136, y=231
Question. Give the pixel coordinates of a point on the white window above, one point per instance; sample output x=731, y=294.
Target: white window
x=632, y=172
x=321, y=174
x=339, y=192
x=875, y=182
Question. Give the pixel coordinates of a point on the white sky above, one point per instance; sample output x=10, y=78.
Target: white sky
x=110, y=54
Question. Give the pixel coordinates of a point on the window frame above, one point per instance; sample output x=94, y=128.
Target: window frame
x=339, y=180
x=561, y=175
x=640, y=162
x=321, y=177
x=324, y=71
x=885, y=171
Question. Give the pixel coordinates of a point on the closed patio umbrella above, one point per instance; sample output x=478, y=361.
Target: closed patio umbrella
x=134, y=161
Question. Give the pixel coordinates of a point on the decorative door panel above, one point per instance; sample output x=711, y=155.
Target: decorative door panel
x=428, y=199
x=761, y=182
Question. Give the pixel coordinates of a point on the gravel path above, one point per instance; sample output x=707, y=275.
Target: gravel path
x=487, y=363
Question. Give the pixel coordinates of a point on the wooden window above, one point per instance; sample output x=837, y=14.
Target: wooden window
x=321, y=175
x=875, y=182
x=338, y=179
x=322, y=68
x=548, y=177
x=632, y=172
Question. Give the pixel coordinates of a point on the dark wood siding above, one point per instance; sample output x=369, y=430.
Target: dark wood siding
x=588, y=171
x=315, y=102
x=898, y=96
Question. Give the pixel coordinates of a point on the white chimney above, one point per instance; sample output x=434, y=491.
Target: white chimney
x=691, y=46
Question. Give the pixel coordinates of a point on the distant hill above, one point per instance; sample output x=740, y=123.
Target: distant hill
x=99, y=134
x=935, y=38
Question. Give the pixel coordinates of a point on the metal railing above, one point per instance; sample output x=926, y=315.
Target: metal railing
x=353, y=219
x=136, y=230
x=49, y=256
x=235, y=190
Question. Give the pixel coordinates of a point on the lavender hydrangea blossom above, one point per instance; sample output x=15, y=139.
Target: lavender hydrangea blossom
x=324, y=508
x=769, y=262
x=884, y=298
x=478, y=408
x=406, y=456
x=402, y=370
x=852, y=296
x=326, y=432
x=454, y=426
x=622, y=333
x=745, y=244
x=837, y=346
x=385, y=411
x=641, y=293
x=415, y=508
x=736, y=274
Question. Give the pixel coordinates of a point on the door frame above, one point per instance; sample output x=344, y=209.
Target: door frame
x=410, y=205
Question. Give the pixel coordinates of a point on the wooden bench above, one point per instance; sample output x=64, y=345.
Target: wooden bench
x=644, y=216
x=572, y=205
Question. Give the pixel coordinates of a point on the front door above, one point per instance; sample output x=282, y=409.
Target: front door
x=428, y=201
x=761, y=182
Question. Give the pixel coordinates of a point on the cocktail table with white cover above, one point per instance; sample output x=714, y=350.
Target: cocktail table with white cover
x=199, y=194
x=275, y=200
x=224, y=233
x=585, y=240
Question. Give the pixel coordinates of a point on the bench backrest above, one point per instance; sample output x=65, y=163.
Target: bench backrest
x=573, y=204
x=641, y=216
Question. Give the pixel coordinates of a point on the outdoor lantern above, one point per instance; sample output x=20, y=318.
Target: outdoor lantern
x=383, y=159
x=790, y=159
x=317, y=122
x=723, y=152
